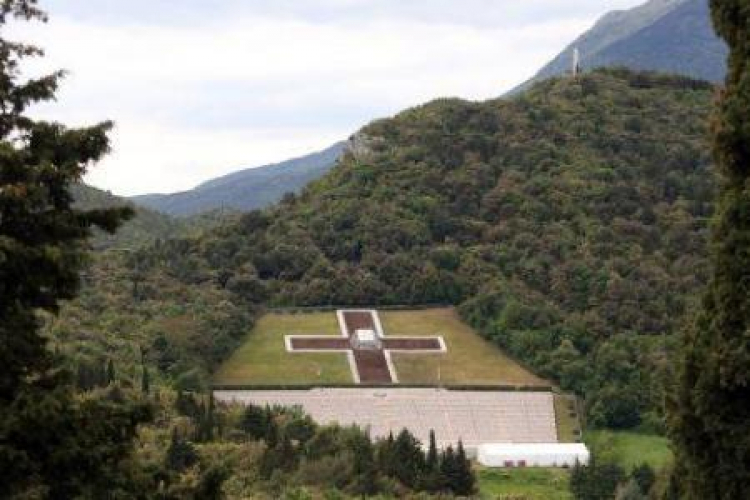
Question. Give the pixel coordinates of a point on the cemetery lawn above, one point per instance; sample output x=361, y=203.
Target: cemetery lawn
x=470, y=358
x=262, y=359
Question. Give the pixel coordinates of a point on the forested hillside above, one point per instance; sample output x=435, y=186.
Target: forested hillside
x=145, y=226
x=568, y=224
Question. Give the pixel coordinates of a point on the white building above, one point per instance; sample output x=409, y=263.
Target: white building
x=532, y=454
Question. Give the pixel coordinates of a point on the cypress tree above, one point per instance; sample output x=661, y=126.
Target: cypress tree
x=210, y=417
x=409, y=459
x=110, y=372
x=432, y=453
x=145, y=382
x=710, y=415
x=465, y=482
x=51, y=443
x=448, y=468
x=430, y=480
x=41, y=233
x=386, y=456
x=363, y=467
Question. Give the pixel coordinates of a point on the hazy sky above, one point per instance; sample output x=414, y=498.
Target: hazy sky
x=199, y=88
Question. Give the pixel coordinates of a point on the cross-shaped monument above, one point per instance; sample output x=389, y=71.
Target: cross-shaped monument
x=367, y=348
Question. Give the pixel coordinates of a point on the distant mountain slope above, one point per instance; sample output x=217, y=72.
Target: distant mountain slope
x=246, y=189
x=144, y=228
x=674, y=36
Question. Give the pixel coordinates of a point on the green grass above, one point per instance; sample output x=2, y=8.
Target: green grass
x=524, y=484
x=263, y=360
x=470, y=359
x=566, y=423
x=629, y=449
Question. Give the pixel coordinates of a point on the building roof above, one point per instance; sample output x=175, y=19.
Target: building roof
x=531, y=449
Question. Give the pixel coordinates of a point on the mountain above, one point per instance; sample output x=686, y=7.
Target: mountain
x=145, y=227
x=568, y=224
x=246, y=189
x=672, y=36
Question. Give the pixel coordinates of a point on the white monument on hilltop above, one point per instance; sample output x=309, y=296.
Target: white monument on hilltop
x=365, y=339
x=576, y=62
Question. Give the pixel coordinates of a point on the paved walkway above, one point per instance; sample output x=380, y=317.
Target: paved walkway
x=370, y=365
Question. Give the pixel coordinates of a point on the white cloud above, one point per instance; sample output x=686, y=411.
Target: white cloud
x=195, y=101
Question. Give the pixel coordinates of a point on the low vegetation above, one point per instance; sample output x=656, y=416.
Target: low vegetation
x=630, y=449
x=526, y=484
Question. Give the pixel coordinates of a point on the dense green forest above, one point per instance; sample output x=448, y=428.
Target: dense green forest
x=569, y=225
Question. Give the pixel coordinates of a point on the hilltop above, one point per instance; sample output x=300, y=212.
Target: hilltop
x=670, y=36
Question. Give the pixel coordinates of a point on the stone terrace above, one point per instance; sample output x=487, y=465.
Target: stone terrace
x=473, y=416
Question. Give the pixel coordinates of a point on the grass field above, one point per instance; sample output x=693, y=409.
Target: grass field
x=526, y=484
x=629, y=449
x=567, y=423
x=263, y=360
x=470, y=359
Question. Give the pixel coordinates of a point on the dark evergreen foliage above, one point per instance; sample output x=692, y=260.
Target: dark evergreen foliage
x=645, y=477
x=53, y=444
x=711, y=415
x=181, y=453
x=596, y=481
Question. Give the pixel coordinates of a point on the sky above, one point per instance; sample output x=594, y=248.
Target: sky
x=201, y=88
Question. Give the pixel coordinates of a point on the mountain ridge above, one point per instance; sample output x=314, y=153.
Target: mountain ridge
x=245, y=189
x=661, y=35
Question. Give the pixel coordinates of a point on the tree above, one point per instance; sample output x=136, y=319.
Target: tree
x=363, y=468
x=41, y=233
x=448, y=468
x=709, y=417
x=181, y=453
x=644, y=477
x=145, y=382
x=281, y=456
x=386, y=456
x=430, y=480
x=596, y=481
x=50, y=441
x=408, y=457
x=630, y=491
x=464, y=483
x=111, y=377
x=256, y=421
